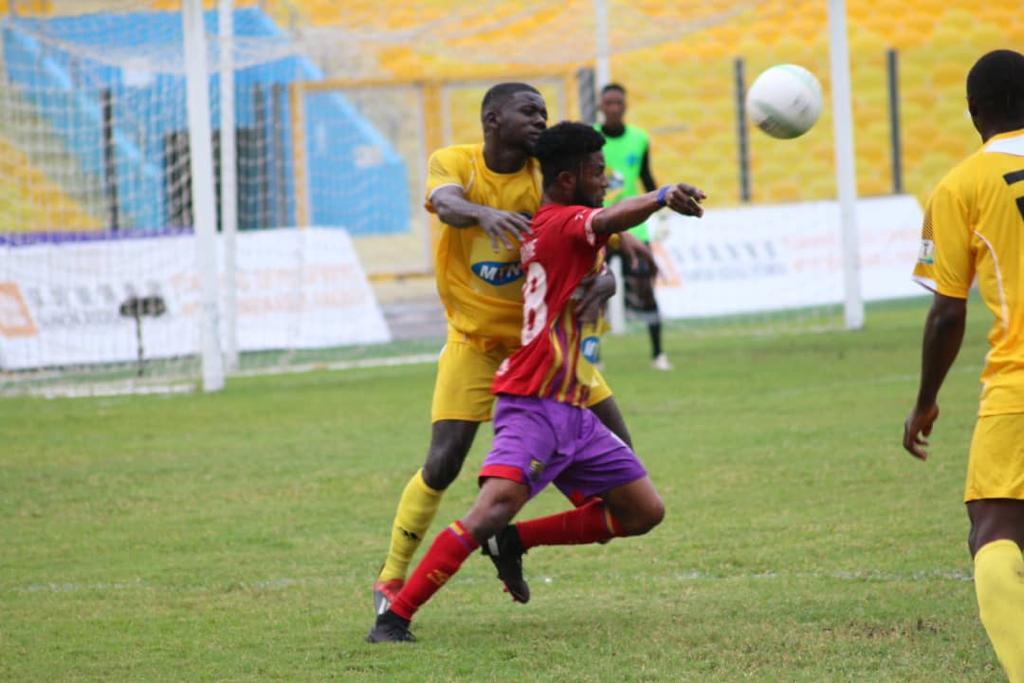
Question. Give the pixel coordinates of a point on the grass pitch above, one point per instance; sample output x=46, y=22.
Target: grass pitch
x=233, y=537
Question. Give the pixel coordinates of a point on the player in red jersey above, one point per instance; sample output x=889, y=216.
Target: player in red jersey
x=542, y=431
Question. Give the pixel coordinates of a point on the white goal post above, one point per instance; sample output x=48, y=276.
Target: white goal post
x=201, y=155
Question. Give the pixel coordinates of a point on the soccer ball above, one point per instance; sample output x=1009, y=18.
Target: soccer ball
x=785, y=101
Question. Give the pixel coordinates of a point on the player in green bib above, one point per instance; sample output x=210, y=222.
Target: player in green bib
x=627, y=158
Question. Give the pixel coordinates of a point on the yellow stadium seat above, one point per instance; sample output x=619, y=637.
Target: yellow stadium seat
x=31, y=202
x=682, y=89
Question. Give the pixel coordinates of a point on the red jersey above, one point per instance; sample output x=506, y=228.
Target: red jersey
x=550, y=364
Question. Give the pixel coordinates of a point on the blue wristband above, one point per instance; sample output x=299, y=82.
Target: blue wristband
x=661, y=195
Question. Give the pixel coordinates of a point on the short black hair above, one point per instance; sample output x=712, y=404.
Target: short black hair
x=995, y=85
x=613, y=86
x=563, y=148
x=499, y=94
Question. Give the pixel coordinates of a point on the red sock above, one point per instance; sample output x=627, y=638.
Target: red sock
x=587, y=524
x=449, y=550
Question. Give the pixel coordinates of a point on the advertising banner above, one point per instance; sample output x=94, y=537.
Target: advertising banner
x=766, y=258
x=61, y=295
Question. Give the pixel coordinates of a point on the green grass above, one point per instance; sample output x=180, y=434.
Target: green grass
x=234, y=536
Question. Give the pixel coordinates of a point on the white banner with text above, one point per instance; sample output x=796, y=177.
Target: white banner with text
x=61, y=298
x=768, y=258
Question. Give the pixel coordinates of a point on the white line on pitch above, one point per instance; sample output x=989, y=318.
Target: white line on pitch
x=108, y=390
x=284, y=583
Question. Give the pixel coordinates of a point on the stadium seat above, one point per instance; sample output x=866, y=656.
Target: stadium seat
x=695, y=122
x=952, y=32
x=30, y=202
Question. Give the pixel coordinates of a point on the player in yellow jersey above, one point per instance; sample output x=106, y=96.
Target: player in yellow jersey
x=974, y=230
x=484, y=195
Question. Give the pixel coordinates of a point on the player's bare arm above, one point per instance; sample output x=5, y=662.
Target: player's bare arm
x=455, y=210
x=681, y=198
x=943, y=334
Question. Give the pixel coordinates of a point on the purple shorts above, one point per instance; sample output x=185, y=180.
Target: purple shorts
x=538, y=441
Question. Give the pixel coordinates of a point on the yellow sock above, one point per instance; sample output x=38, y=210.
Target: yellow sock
x=999, y=583
x=416, y=510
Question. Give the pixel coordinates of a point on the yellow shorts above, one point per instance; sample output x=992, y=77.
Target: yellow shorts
x=464, y=374
x=995, y=468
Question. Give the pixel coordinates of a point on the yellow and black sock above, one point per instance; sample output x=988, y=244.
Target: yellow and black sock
x=999, y=584
x=416, y=510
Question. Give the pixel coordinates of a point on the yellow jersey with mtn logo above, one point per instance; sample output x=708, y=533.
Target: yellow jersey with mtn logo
x=481, y=289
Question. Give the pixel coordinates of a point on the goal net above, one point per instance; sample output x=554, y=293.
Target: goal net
x=336, y=107
x=101, y=287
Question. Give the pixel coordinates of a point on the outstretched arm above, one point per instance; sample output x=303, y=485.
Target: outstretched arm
x=455, y=210
x=681, y=198
x=943, y=334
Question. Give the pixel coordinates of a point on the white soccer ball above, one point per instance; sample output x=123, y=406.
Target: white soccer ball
x=785, y=101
